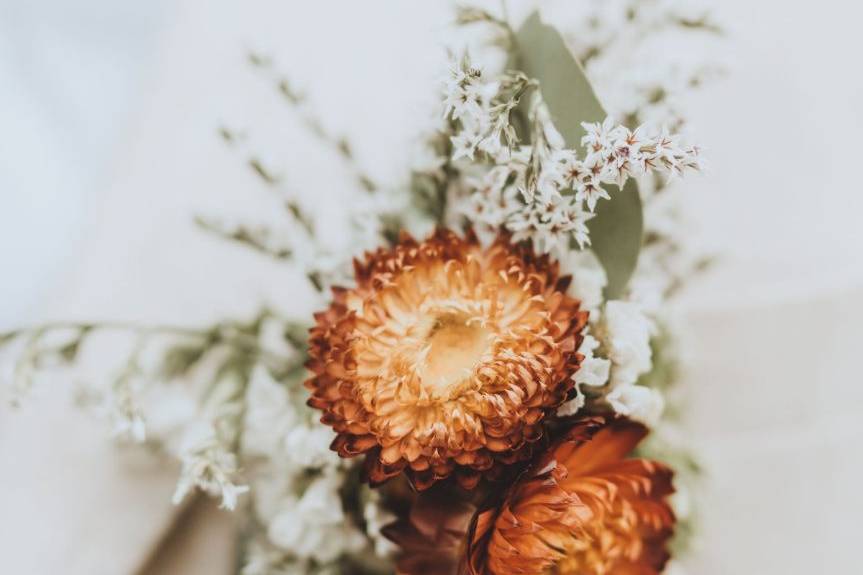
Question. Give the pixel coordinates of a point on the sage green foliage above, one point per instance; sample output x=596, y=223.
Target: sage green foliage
x=617, y=228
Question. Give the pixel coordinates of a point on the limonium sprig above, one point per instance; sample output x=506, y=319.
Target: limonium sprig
x=211, y=466
x=544, y=191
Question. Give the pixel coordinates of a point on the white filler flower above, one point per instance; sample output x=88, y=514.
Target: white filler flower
x=628, y=332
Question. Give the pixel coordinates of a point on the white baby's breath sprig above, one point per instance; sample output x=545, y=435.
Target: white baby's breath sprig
x=614, y=153
x=463, y=95
x=210, y=466
x=627, y=336
x=123, y=407
x=482, y=109
x=593, y=372
x=637, y=402
x=376, y=518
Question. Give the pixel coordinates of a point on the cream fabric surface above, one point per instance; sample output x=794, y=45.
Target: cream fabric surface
x=202, y=541
x=71, y=502
x=775, y=392
x=775, y=413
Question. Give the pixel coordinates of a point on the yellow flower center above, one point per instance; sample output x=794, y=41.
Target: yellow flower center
x=445, y=357
x=602, y=546
x=454, y=347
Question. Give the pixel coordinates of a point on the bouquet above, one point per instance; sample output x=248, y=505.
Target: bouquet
x=488, y=383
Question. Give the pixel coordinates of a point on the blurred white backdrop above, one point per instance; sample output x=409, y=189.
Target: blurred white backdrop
x=110, y=112
x=72, y=75
x=780, y=204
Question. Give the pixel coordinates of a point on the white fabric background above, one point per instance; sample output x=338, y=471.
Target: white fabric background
x=109, y=148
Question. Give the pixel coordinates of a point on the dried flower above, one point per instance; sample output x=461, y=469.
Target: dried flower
x=588, y=280
x=628, y=332
x=209, y=466
x=463, y=94
x=582, y=507
x=637, y=402
x=445, y=358
x=314, y=525
x=558, y=188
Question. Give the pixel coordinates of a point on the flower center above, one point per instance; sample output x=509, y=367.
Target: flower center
x=455, y=345
x=601, y=549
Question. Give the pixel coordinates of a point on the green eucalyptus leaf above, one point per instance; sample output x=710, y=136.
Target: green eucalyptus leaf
x=617, y=228
x=616, y=234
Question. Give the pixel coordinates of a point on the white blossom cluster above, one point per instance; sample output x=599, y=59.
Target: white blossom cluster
x=617, y=348
x=209, y=465
x=296, y=487
x=544, y=192
x=482, y=109
x=252, y=443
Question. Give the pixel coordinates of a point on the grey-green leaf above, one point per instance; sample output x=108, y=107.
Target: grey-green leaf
x=617, y=229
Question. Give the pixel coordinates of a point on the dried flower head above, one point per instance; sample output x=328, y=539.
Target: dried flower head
x=445, y=358
x=582, y=507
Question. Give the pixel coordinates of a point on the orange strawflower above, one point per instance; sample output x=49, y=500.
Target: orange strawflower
x=445, y=358
x=581, y=509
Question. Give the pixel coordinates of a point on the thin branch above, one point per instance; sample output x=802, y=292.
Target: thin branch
x=466, y=15
x=86, y=327
x=313, y=123
x=272, y=180
x=262, y=172
x=232, y=334
x=257, y=239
